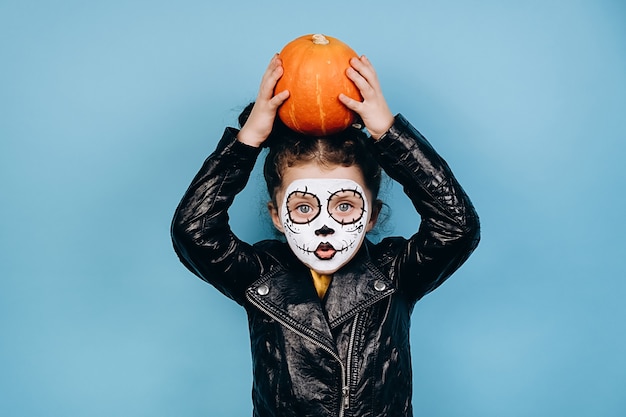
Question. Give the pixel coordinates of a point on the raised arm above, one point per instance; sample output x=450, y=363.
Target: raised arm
x=200, y=231
x=449, y=229
x=201, y=234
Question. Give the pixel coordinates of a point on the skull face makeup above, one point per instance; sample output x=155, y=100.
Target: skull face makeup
x=324, y=221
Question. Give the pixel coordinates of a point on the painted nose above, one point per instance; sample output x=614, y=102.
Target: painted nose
x=324, y=231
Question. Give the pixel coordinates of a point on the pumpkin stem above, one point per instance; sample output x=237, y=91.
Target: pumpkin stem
x=319, y=39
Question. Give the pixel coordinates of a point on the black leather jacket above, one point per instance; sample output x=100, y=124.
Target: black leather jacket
x=347, y=355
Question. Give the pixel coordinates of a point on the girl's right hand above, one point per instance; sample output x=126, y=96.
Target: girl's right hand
x=261, y=120
x=373, y=110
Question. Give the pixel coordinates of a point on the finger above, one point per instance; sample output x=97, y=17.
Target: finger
x=361, y=83
x=270, y=67
x=279, y=98
x=268, y=84
x=364, y=67
x=350, y=103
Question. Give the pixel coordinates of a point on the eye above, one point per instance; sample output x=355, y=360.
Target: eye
x=302, y=207
x=344, y=207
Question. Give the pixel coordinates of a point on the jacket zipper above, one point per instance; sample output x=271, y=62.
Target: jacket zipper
x=346, y=393
x=345, y=388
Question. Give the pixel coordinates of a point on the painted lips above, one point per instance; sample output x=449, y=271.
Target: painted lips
x=325, y=251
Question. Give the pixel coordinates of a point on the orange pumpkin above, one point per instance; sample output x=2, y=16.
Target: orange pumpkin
x=315, y=74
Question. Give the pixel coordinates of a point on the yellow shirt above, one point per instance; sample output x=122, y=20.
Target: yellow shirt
x=321, y=283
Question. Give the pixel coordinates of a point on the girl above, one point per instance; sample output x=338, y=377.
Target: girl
x=328, y=311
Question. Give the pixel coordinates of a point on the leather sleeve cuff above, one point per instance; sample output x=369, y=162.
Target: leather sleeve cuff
x=234, y=152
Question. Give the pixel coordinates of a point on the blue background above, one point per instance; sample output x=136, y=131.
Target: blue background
x=107, y=110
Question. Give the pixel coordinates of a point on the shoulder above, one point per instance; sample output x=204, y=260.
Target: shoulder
x=275, y=252
x=385, y=251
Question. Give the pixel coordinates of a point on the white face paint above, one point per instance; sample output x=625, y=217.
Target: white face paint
x=324, y=221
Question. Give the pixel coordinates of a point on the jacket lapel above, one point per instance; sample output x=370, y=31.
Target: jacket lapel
x=287, y=294
x=354, y=288
x=290, y=298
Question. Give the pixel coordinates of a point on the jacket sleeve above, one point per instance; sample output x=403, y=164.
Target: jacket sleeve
x=449, y=230
x=200, y=231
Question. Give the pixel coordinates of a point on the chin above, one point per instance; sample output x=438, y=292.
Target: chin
x=326, y=271
x=319, y=267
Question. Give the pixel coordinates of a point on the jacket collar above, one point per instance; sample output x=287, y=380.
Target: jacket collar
x=354, y=288
x=288, y=296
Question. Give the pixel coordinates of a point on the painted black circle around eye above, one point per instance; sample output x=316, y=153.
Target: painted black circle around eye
x=354, y=199
x=303, y=197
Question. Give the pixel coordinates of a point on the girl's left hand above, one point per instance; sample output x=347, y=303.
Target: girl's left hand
x=259, y=124
x=373, y=109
